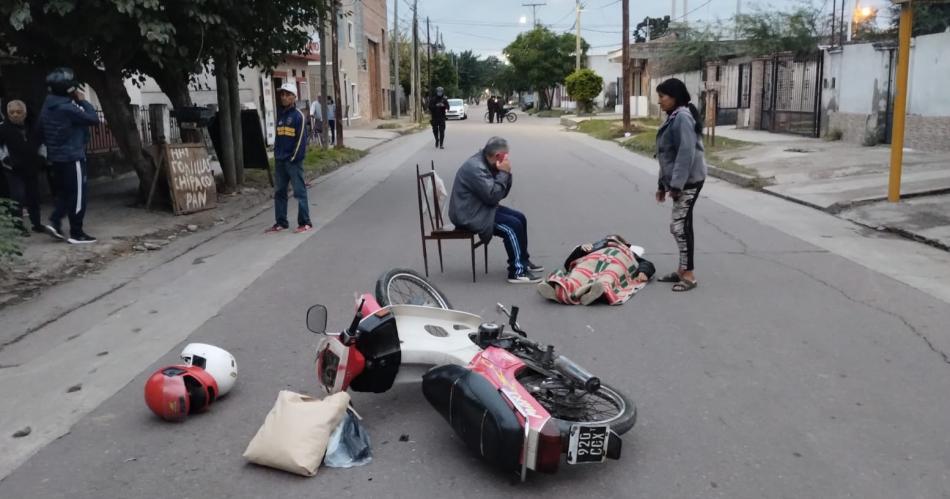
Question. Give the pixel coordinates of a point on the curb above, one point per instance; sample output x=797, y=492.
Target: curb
x=732, y=177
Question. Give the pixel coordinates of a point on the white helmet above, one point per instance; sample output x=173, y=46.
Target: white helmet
x=217, y=361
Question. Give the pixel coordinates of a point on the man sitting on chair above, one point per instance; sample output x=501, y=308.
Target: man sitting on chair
x=480, y=185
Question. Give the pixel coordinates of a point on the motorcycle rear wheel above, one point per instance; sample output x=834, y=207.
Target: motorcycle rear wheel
x=572, y=406
x=407, y=287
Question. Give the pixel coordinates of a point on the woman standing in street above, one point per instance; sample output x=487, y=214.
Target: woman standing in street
x=679, y=149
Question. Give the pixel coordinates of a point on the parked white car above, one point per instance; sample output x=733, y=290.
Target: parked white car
x=457, y=109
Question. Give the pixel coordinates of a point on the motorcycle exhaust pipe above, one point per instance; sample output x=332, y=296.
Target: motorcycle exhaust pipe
x=578, y=374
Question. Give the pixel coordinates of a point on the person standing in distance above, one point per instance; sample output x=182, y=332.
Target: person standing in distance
x=290, y=148
x=438, y=105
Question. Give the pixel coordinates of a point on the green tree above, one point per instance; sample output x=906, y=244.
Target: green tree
x=470, y=74
x=654, y=26
x=543, y=59
x=770, y=32
x=928, y=18
x=443, y=75
x=107, y=41
x=583, y=86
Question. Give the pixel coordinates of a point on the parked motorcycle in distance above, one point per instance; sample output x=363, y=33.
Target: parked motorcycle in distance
x=515, y=402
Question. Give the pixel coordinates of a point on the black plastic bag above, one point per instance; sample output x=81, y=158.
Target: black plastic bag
x=349, y=444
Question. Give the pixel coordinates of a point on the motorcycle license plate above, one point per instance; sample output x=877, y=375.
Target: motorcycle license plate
x=588, y=444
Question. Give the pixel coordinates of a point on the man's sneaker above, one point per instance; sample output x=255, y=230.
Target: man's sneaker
x=81, y=239
x=275, y=228
x=533, y=267
x=303, y=228
x=54, y=231
x=525, y=277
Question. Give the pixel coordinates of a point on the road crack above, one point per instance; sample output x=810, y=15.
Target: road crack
x=923, y=337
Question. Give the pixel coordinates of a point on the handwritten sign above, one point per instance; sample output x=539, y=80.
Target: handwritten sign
x=190, y=178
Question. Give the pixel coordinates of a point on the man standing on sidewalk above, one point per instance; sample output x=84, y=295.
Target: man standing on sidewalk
x=290, y=148
x=64, y=123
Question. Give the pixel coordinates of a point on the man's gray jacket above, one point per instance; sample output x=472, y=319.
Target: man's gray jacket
x=476, y=193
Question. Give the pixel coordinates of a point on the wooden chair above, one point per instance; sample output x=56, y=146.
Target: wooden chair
x=431, y=209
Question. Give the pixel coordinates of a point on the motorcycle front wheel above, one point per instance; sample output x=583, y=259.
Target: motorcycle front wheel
x=570, y=406
x=407, y=287
x=511, y=117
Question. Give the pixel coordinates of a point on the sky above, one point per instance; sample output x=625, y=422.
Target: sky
x=487, y=26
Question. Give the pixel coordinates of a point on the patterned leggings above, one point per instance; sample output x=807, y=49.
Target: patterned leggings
x=682, y=225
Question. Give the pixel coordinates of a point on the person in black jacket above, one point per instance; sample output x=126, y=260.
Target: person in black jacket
x=21, y=165
x=491, y=108
x=438, y=105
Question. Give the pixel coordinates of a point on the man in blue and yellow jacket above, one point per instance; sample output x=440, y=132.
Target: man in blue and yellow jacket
x=290, y=148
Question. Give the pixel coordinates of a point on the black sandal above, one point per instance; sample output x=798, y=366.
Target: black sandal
x=684, y=285
x=671, y=277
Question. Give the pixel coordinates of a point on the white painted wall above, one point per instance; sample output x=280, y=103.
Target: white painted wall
x=857, y=69
x=607, y=70
x=930, y=75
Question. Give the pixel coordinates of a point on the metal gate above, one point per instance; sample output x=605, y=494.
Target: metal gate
x=791, y=95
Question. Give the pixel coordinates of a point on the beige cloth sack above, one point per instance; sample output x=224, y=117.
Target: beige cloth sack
x=295, y=433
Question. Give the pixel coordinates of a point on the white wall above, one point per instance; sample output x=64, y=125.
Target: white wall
x=930, y=75
x=860, y=70
x=607, y=70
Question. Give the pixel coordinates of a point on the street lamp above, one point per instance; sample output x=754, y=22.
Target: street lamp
x=523, y=20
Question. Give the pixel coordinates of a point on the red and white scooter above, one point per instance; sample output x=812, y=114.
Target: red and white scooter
x=514, y=402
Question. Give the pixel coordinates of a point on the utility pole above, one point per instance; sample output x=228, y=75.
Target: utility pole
x=625, y=51
x=685, y=11
x=534, y=11
x=415, y=63
x=335, y=51
x=673, y=11
x=428, y=59
x=577, y=38
x=395, y=50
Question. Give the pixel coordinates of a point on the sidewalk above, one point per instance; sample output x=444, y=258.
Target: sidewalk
x=851, y=181
x=124, y=228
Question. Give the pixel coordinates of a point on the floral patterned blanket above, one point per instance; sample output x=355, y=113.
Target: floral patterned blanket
x=607, y=274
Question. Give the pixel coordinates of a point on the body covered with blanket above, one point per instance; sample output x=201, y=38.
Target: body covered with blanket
x=608, y=270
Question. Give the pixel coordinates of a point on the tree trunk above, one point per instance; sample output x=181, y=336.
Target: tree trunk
x=334, y=39
x=325, y=118
x=234, y=90
x=224, y=123
x=116, y=106
x=174, y=84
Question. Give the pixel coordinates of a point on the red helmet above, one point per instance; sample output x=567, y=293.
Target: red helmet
x=174, y=392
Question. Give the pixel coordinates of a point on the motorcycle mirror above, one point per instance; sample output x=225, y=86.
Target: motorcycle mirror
x=317, y=319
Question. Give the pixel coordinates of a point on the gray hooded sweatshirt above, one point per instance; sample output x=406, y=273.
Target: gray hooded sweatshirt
x=679, y=149
x=476, y=193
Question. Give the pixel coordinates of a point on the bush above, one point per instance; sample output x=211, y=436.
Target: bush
x=583, y=86
x=9, y=234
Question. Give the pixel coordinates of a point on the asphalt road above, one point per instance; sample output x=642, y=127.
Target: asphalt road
x=791, y=371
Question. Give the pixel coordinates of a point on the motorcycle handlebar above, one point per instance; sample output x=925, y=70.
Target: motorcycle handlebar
x=569, y=368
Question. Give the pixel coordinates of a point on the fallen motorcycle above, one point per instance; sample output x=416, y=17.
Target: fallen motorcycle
x=514, y=402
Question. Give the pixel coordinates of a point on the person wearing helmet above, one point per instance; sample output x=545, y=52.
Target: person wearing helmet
x=64, y=125
x=438, y=105
x=290, y=148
